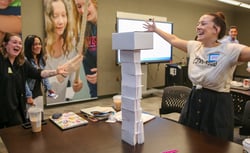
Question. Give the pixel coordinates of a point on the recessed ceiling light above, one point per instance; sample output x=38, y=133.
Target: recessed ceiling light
x=245, y=5
x=236, y=3
x=232, y=2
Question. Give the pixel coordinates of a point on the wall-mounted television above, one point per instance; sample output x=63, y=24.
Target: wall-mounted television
x=162, y=50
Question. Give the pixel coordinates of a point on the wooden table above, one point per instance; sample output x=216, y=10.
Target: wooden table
x=102, y=137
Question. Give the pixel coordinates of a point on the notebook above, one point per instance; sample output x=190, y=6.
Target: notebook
x=69, y=120
x=104, y=112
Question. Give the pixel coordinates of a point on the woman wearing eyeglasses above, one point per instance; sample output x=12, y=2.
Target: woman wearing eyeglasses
x=209, y=107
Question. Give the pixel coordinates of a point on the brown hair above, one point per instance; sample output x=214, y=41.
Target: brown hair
x=219, y=20
x=20, y=58
x=233, y=27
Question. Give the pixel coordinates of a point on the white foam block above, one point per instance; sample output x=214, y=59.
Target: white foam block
x=132, y=40
x=130, y=57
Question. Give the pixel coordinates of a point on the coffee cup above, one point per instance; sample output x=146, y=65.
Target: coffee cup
x=246, y=83
x=35, y=116
x=117, y=99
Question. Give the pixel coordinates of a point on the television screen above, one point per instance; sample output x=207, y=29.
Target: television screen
x=162, y=50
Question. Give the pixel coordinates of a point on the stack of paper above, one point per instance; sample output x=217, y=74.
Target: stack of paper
x=132, y=124
x=130, y=44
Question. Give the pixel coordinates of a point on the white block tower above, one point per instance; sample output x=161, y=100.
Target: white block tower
x=130, y=44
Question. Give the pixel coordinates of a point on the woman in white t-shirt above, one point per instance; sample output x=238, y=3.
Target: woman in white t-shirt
x=209, y=108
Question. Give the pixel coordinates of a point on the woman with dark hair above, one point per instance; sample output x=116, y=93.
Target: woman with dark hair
x=209, y=107
x=14, y=71
x=35, y=55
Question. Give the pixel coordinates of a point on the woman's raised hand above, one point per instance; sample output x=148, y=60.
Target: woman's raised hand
x=150, y=25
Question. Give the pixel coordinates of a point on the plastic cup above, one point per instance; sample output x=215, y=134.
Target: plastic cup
x=35, y=116
x=246, y=146
x=117, y=99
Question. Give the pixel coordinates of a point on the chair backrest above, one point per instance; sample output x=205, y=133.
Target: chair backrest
x=173, y=99
x=246, y=116
x=245, y=128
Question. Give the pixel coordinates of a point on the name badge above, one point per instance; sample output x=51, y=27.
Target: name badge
x=213, y=57
x=9, y=70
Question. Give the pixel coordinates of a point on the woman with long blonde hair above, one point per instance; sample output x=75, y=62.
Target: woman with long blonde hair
x=60, y=44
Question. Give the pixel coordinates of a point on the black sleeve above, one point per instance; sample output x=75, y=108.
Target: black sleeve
x=32, y=72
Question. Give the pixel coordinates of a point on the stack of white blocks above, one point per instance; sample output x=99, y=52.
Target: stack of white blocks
x=130, y=44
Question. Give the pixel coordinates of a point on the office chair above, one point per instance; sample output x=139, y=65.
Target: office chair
x=245, y=129
x=173, y=100
x=239, y=101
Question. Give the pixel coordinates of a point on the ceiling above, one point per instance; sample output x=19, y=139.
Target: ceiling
x=215, y=3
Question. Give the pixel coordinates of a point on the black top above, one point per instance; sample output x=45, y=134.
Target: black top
x=12, y=87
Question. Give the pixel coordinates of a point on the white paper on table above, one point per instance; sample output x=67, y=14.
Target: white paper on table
x=144, y=116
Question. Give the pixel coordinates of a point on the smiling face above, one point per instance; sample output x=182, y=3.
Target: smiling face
x=14, y=46
x=233, y=32
x=92, y=10
x=206, y=29
x=60, y=18
x=36, y=47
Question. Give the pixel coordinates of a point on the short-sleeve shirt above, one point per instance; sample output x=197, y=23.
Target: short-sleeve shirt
x=213, y=67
